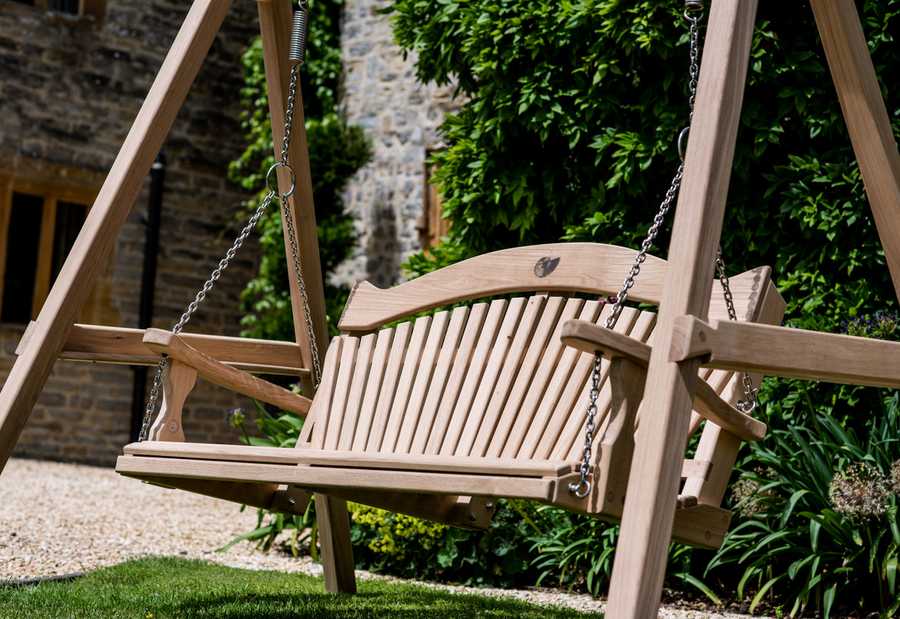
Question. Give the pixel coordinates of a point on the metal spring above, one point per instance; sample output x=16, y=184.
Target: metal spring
x=298, y=35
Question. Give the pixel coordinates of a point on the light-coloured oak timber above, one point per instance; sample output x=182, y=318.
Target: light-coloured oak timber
x=650, y=502
x=536, y=488
x=94, y=244
x=122, y=345
x=560, y=267
x=261, y=495
x=583, y=335
x=178, y=382
x=277, y=455
x=166, y=342
x=720, y=447
x=794, y=353
x=275, y=18
x=867, y=119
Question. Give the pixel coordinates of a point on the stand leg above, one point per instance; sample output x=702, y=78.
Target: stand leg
x=866, y=117
x=275, y=26
x=334, y=539
x=649, y=511
x=105, y=219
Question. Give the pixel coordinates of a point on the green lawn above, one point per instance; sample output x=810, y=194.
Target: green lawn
x=157, y=588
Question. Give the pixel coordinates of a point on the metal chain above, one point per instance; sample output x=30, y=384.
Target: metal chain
x=751, y=399
x=582, y=487
x=271, y=195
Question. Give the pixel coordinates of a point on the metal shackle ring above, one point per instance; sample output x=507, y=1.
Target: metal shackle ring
x=581, y=488
x=272, y=179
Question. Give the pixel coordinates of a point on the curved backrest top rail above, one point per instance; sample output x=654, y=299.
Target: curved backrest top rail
x=590, y=268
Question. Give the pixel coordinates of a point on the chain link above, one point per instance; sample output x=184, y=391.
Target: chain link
x=748, y=404
x=272, y=195
x=582, y=487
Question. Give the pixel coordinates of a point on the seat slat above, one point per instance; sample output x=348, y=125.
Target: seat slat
x=427, y=363
x=473, y=329
x=496, y=310
x=490, y=380
x=339, y=458
x=388, y=386
x=439, y=383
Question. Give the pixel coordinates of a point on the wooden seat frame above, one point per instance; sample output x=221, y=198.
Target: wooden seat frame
x=684, y=338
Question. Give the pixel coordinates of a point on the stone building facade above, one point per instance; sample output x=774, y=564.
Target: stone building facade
x=70, y=86
x=71, y=81
x=390, y=197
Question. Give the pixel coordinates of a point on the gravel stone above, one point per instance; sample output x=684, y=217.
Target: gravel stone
x=67, y=518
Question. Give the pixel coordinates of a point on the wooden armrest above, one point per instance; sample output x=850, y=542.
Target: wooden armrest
x=167, y=343
x=591, y=338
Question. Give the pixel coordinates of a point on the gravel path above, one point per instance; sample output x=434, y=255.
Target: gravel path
x=65, y=518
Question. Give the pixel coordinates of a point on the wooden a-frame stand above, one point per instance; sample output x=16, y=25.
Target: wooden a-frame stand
x=683, y=339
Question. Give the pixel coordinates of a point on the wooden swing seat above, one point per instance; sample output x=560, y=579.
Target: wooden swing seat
x=483, y=400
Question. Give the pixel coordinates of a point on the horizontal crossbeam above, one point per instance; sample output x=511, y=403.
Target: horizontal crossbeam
x=104, y=344
x=782, y=351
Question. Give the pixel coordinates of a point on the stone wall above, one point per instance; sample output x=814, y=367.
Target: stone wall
x=401, y=116
x=69, y=90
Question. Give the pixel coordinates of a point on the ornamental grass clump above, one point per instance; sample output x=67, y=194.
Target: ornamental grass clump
x=817, y=525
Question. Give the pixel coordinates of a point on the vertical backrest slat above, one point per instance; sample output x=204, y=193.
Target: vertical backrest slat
x=317, y=420
x=377, y=373
x=548, y=360
x=508, y=378
x=341, y=391
x=536, y=347
x=388, y=386
x=560, y=373
x=357, y=387
x=489, y=380
x=496, y=311
x=421, y=327
x=460, y=367
x=411, y=416
x=569, y=410
x=439, y=390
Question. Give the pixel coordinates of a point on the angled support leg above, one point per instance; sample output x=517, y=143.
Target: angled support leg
x=105, y=219
x=652, y=492
x=867, y=119
x=275, y=26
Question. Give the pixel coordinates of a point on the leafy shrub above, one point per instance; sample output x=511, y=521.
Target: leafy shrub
x=821, y=526
x=576, y=552
x=411, y=547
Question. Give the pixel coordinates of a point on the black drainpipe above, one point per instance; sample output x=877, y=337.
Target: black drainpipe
x=148, y=284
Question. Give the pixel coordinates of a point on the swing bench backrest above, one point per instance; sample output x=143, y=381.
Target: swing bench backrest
x=492, y=379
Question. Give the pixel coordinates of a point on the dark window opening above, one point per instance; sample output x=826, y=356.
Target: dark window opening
x=69, y=7
x=69, y=219
x=23, y=243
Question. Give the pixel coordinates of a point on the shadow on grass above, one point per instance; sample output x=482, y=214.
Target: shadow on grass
x=158, y=588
